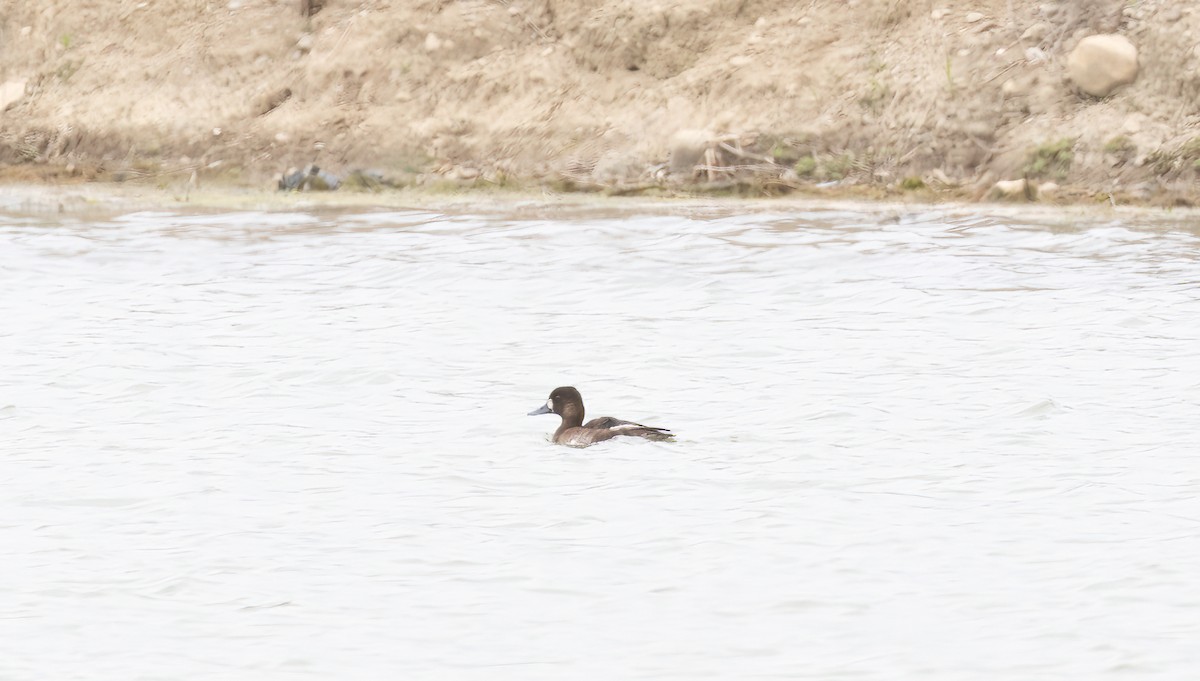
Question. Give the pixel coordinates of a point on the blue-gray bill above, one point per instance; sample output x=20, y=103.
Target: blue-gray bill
x=544, y=409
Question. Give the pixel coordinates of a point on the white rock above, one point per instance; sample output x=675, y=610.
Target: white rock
x=974, y=17
x=305, y=43
x=1013, y=190
x=612, y=167
x=687, y=149
x=1100, y=64
x=432, y=42
x=464, y=173
x=740, y=60
x=11, y=91
x=938, y=14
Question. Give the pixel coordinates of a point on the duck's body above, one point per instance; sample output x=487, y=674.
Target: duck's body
x=573, y=432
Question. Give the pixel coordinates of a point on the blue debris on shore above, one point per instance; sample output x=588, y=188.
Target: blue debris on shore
x=311, y=179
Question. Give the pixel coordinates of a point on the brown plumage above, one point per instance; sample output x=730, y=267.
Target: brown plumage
x=568, y=403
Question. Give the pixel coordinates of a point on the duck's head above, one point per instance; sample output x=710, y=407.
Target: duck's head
x=561, y=401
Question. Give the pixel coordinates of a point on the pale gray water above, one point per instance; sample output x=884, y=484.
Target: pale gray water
x=293, y=446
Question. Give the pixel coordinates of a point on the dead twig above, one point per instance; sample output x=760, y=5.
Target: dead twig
x=745, y=154
x=525, y=17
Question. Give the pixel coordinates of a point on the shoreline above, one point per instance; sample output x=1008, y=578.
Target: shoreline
x=959, y=101
x=81, y=199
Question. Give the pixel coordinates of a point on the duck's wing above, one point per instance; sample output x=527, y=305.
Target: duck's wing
x=620, y=427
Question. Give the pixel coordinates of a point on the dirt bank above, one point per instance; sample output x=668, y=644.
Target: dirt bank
x=874, y=97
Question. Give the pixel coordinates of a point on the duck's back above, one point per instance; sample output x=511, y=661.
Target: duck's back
x=607, y=427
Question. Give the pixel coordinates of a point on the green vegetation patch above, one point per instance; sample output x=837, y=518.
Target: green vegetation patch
x=837, y=167
x=1051, y=160
x=806, y=166
x=1190, y=151
x=1120, y=146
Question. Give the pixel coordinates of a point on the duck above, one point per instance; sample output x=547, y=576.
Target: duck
x=573, y=432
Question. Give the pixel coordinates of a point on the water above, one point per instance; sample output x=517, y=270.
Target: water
x=294, y=446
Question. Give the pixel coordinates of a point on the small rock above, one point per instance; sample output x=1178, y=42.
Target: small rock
x=938, y=14
x=1172, y=14
x=464, y=173
x=305, y=43
x=10, y=92
x=269, y=101
x=740, y=60
x=1133, y=123
x=687, y=149
x=1100, y=64
x=1035, y=55
x=1013, y=190
x=612, y=168
x=1036, y=32
x=982, y=130
x=216, y=132
x=282, y=138
x=974, y=17
x=25, y=31
x=1047, y=189
x=235, y=4
x=432, y=43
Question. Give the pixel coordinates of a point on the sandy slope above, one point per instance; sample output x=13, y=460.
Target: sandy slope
x=875, y=92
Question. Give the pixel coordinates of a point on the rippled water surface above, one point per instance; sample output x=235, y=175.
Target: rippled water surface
x=271, y=445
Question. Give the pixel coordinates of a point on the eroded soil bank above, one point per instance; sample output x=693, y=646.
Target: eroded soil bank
x=867, y=98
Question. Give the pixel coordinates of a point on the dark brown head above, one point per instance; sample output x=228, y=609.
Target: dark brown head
x=566, y=402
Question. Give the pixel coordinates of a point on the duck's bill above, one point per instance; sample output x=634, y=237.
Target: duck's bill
x=544, y=409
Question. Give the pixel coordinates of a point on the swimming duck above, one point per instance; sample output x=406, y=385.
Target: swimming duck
x=568, y=403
